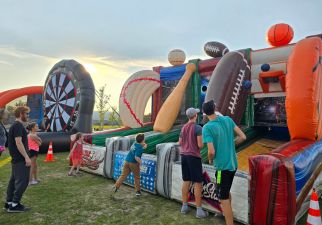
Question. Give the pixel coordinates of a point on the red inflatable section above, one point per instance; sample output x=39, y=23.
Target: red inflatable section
x=10, y=95
x=272, y=185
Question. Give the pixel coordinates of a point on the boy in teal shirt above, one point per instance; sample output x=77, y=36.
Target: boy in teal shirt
x=218, y=134
x=132, y=164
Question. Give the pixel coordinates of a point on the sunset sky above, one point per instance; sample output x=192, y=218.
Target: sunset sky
x=114, y=39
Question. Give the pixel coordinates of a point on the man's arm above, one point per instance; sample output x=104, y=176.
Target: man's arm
x=22, y=150
x=199, y=140
x=180, y=141
x=240, y=135
x=211, y=152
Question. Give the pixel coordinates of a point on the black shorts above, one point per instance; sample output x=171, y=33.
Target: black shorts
x=33, y=153
x=224, y=180
x=191, y=168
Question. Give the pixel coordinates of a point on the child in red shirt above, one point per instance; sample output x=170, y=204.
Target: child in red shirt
x=76, y=154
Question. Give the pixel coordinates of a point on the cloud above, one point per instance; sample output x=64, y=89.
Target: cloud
x=6, y=63
x=13, y=52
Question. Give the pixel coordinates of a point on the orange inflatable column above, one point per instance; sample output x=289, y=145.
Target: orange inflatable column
x=303, y=90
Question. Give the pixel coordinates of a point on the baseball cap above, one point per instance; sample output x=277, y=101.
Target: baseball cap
x=209, y=107
x=191, y=112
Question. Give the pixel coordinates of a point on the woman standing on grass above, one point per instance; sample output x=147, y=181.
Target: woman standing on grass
x=3, y=131
x=76, y=154
x=34, y=141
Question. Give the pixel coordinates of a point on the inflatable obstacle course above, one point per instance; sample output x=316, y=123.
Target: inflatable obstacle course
x=262, y=90
x=255, y=92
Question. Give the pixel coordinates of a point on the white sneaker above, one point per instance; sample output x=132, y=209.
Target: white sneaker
x=33, y=182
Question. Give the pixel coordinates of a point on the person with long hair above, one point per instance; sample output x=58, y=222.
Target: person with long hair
x=34, y=141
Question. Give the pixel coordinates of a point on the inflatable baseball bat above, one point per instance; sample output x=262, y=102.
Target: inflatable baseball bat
x=171, y=107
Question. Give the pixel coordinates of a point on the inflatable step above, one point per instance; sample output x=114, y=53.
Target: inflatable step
x=167, y=154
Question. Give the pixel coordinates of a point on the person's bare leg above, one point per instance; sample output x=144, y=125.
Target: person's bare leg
x=32, y=168
x=185, y=194
x=228, y=212
x=35, y=169
x=185, y=191
x=77, y=170
x=198, y=195
x=71, y=170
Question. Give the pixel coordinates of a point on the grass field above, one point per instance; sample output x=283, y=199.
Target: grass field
x=60, y=199
x=105, y=127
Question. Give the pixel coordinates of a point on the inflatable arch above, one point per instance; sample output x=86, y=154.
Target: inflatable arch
x=10, y=95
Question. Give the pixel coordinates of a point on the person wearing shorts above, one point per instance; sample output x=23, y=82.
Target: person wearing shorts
x=191, y=142
x=218, y=134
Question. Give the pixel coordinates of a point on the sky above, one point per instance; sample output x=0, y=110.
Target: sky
x=114, y=39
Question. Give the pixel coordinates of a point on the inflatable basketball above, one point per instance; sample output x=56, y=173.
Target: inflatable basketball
x=279, y=34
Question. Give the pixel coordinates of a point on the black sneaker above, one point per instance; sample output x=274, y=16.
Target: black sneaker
x=138, y=193
x=6, y=206
x=17, y=209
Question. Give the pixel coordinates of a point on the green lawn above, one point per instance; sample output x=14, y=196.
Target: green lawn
x=106, y=127
x=60, y=199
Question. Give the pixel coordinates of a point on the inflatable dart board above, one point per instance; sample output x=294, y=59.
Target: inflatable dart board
x=69, y=97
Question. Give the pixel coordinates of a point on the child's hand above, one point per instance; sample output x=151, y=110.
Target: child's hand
x=145, y=145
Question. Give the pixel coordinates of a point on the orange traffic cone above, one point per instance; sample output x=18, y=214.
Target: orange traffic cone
x=314, y=216
x=50, y=154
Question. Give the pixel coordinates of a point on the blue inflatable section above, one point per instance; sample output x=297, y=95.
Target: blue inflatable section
x=147, y=173
x=34, y=102
x=172, y=73
x=203, y=89
x=305, y=163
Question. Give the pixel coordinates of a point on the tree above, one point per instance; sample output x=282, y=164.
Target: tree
x=20, y=103
x=114, y=117
x=102, y=104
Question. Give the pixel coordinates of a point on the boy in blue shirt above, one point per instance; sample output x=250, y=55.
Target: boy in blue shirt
x=132, y=164
x=218, y=134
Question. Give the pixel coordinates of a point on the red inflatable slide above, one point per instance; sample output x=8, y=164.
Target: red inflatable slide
x=8, y=96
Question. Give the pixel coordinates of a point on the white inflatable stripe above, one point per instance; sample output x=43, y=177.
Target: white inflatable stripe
x=49, y=91
x=58, y=125
x=49, y=103
x=53, y=81
x=271, y=54
x=314, y=205
x=314, y=220
x=70, y=102
x=56, y=112
x=68, y=88
x=224, y=51
x=61, y=79
x=65, y=116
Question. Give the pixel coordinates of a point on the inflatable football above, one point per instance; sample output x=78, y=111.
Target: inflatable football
x=215, y=49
